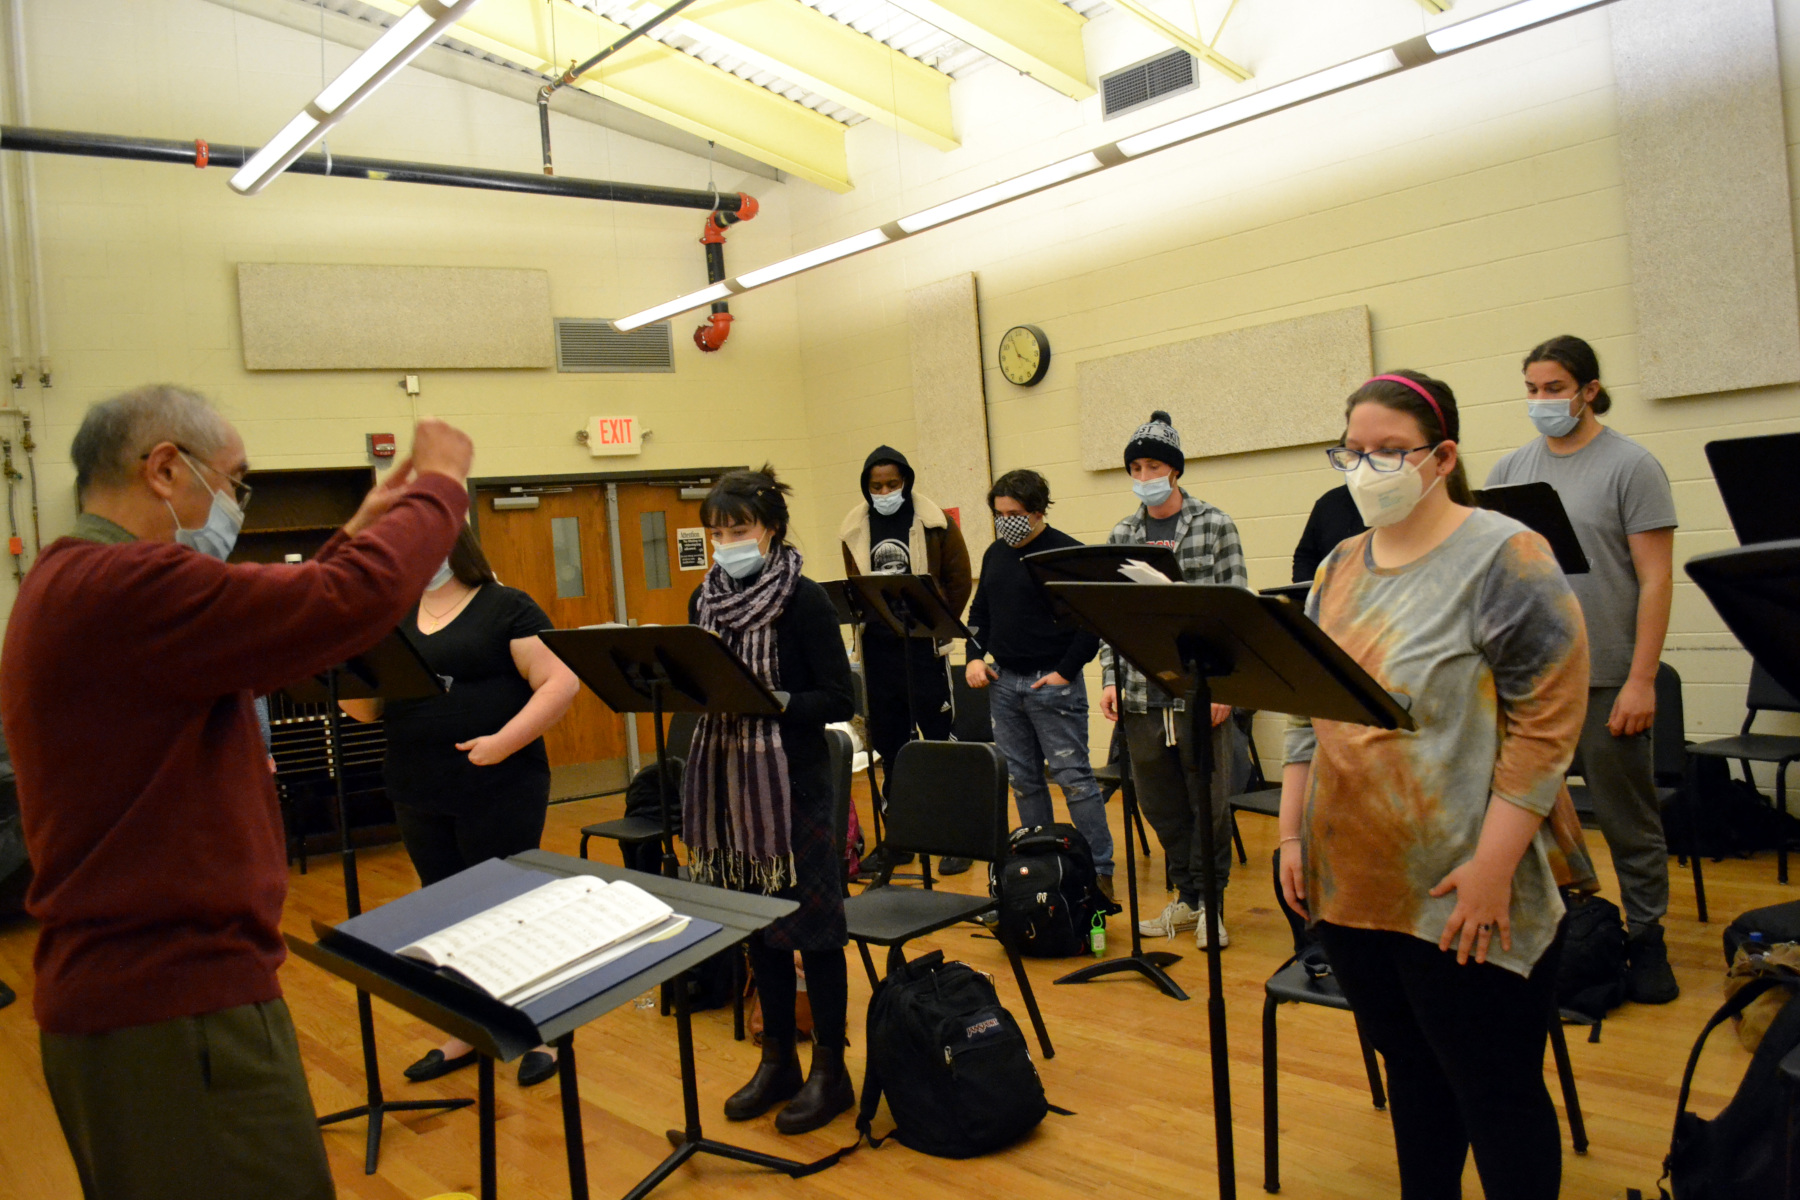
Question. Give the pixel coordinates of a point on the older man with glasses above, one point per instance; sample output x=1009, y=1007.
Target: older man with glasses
x=132, y=655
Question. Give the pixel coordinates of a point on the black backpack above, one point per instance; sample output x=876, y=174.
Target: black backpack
x=1048, y=892
x=952, y=1062
x=1591, y=977
x=1741, y=1154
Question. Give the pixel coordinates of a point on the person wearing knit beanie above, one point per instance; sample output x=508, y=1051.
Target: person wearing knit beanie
x=1157, y=439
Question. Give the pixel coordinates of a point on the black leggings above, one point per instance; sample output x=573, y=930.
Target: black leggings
x=441, y=845
x=1464, y=1047
x=827, y=986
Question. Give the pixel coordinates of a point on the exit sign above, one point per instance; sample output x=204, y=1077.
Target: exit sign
x=614, y=435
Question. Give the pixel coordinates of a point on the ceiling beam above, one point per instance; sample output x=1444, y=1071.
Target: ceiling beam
x=1039, y=38
x=664, y=84
x=1188, y=41
x=830, y=59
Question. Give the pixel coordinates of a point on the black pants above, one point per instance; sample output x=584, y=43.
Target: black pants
x=441, y=845
x=884, y=668
x=827, y=987
x=1464, y=1047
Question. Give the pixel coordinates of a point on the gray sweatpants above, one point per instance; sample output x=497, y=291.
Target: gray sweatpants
x=1619, y=779
x=1162, y=794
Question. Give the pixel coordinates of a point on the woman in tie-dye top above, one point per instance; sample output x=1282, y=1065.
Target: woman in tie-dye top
x=1430, y=859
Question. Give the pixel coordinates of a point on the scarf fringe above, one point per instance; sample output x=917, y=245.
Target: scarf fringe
x=738, y=871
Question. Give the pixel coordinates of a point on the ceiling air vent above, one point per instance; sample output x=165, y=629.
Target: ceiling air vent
x=1152, y=79
x=588, y=344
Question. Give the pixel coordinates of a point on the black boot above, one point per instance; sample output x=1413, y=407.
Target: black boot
x=827, y=1093
x=1648, y=979
x=777, y=1078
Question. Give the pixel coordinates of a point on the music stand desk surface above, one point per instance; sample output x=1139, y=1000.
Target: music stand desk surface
x=1756, y=589
x=1750, y=473
x=929, y=612
x=1538, y=507
x=699, y=671
x=501, y=1032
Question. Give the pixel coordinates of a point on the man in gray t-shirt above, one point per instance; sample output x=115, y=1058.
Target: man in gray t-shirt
x=1619, y=502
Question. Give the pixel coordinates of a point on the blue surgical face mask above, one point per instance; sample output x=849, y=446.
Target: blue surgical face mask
x=444, y=575
x=1551, y=417
x=888, y=503
x=1153, y=491
x=216, y=538
x=740, y=559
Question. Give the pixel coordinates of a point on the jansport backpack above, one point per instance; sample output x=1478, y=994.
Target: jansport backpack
x=1741, y=1153
x=952, y=1062
x=1048, y=891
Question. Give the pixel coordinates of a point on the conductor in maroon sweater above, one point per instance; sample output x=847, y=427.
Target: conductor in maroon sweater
x=131, y=660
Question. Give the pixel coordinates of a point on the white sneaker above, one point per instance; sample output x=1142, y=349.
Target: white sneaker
x=1174, y=919
x=1200, y=931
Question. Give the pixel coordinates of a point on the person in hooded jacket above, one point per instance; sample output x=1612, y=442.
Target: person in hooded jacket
x=897, y=531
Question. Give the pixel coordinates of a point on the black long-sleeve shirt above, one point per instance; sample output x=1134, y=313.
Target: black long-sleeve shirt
x=1334, y=518
x=1012, y=619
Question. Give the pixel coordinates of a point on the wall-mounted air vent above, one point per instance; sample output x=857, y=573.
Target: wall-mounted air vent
x=586, y=344
x=1152, y=79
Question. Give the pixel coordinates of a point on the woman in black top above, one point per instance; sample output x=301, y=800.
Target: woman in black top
x=757, y=801
x=466, y=770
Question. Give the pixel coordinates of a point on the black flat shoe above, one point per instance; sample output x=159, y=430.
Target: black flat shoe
x=954, y=866
x=435, y=1065
x=536, y=1067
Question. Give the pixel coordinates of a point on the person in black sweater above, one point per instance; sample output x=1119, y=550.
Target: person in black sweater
x=757, y=812
x=1334, y=518
x=1039, y=698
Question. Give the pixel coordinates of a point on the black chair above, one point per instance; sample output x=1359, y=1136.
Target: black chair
x=842, y=758
x=1259, y=798
x=1668, y=768
x=635, y=831
x=1764, y=695
x=972, y=716
x=946, y=799
x=1292, y=984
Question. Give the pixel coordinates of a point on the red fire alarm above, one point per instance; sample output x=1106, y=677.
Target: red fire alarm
x=381, y=445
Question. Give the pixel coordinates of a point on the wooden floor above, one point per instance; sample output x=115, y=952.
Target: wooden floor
x=1130, y=1062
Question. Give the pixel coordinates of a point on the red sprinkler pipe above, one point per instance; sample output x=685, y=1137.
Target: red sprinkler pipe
x=711, y=336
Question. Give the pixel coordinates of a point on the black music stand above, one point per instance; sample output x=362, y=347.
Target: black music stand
x=1537, y=506
x=1100, y=564
x=659, y=669
x=1261, y=652
x=1755, y=477
x=1297, y=592
x=1757, y=591
x=502, y=1032
x=390, y=670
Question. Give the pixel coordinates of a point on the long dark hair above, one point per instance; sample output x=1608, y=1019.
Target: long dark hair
x=749, y=496
x=468, y=563
x=1578, y=359
x=1402, y=399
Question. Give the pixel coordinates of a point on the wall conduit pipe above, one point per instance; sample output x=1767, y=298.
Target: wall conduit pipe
x=711, y=336
x=577, y=70
x=34, y=254
x=202, y=154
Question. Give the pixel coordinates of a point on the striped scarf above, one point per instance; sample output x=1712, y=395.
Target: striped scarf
x=736, y=802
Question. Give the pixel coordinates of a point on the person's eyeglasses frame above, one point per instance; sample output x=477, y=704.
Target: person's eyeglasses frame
x=1358, y=457
x=240, y=491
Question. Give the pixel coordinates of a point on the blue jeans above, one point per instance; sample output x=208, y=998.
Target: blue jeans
x=1035, y=726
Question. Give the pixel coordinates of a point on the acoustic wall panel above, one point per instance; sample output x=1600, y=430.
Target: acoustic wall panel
x=316, y=317
x=1707, y=204
x=949, y=403
x=1259, y=388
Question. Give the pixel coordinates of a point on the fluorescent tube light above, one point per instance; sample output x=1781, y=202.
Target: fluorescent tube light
x=403, y=41
x=1000, y=193
x=1257, y=104
x=1502, y=21
x=855, y=244
x=680, y=304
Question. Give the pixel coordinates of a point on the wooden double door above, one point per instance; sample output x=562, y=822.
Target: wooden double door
x=563, y=553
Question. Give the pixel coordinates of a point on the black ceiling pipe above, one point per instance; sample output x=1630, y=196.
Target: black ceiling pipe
x=203, y=154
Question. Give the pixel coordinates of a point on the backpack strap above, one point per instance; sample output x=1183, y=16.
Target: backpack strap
x=1731, y=1008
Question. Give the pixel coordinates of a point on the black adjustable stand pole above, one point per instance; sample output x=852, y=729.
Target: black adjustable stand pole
x=689, y=1140
x=376, y=1107
x=1197, y=761
x=1149, y=965
x=669, y=867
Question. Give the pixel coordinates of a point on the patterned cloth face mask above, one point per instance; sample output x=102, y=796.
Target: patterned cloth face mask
x=1013, y=528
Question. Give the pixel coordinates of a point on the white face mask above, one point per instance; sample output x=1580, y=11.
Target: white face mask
x=1387, y=498
x=740, y=560
x=216, y=538
x=444, y=575
x=1551, y=417
x=1153, y=491
x=888, y=503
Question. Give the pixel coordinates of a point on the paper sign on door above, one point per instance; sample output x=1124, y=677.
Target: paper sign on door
x=690, y=548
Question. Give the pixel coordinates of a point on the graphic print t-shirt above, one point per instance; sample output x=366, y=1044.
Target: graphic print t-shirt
x=1160, y=531
x=890, y=538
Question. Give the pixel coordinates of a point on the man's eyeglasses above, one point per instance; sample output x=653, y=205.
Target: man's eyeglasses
x=1384, y=461
x=240, y=491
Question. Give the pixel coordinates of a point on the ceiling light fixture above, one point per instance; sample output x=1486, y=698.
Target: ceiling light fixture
x=1476, y=31
x=404, y=41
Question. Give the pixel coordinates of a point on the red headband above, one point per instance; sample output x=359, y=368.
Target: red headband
x=1423, y=391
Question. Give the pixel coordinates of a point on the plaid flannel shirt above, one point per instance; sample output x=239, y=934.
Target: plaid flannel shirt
x=1208, y=550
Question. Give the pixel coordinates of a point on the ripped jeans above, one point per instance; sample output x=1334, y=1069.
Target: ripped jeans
x=1035, y=727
